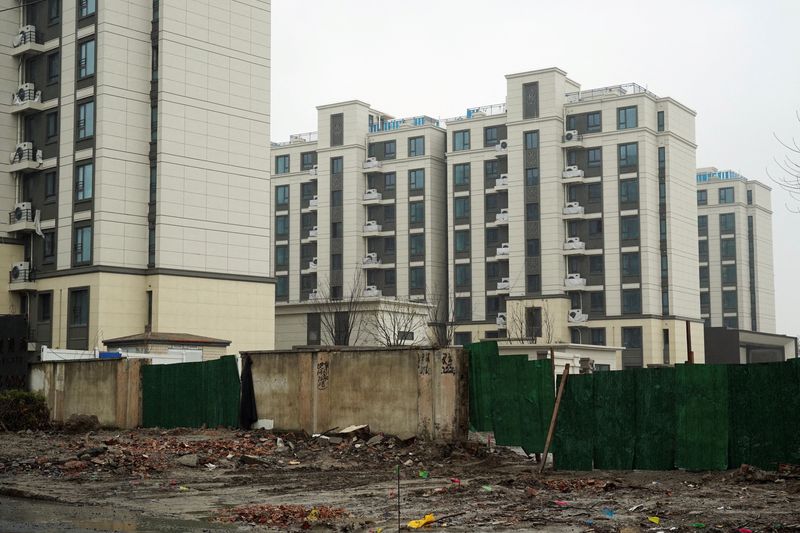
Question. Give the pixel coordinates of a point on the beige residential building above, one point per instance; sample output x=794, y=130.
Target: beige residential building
x=572, y=219
x=737, y=287
x=138, y=182
x=359, y=217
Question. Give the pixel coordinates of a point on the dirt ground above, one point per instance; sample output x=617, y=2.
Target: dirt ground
x=183, y=480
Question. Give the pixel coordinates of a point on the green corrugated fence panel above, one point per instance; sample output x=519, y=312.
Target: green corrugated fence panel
x=614, y=420
x=740, y=416
x=767, y=385
x=481, y=357
x=655, y=418
x=792, y=403
x=702, y=413
x=537, y=397
x=191, y=394
x=573, y=442
x=507, y=372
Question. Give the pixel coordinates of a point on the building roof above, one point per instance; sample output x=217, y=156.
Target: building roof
x=166, y=338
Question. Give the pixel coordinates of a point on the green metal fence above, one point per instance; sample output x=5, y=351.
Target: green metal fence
x=191, y=394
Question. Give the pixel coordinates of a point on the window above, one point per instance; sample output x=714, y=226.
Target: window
x=631, y=301
x=282, y=226
x=630, y=264
x=282, y=164
x=597, y=336
x=572, y=158
x=463, y=275
x=79, y=307
x=531, y=140
x=731, y=322
x=53, y=11
x=491, y=202
x=705, y=302
x=532, y=212
x=388, y=213
x=490, y=136
x=336, y=261
x=727, y=223
x=53, y=68
x=336, y=230
x=416, y=278
x=281, y=257
x=86, y=61
x=629, y=228
x=749, y=197
x=462, y=339
x=596, y=264
x=572, y=122
x=632, y=338
x=416, y=146
x=595, y=157
x=84, y=178
x=595, y=226
x=662, y=162
x=628, y=155
x=153, y=123
x=593, y=122
x=307, y=191
x=87, y=7
x=660, y=121
x=336, y=198
x=49, y=246
x=50, y=186
x=416, y=245
x=281, y=286
x=389, y=150
x=461, y=140
x=83, y=245
x=337, y=166
x=492, y=306
x=533, y=283
x=626, y=118
x=45, y=306
x=389, y=182
x=729, y=301
x=308, y=160
x=727, y=248
x=282, y=196
x=531, y=177
x=492, y=236
x=729, y=274
x=462, y=244
x=416, y=180
x=595, y=192
x=461, y=207
x=86, y=120
x=629, y=191
x=702, y=251
x=389, y=278
x=461, y=174
x=726, y=195
x=52, y=125
x=702, y=224
x=416, y=212
x=533, y=248
x=702, y=197
x=703, y=276
x=462, y=309
x=597, y=302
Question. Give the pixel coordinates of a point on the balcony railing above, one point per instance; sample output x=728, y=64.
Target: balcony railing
x=607, y=92
x=26, y=93
x=20, y=275
x=26, y=35
x=20, y=215
x=22, y=155
x=483, y=111
x=308, y=137
x=397, y=123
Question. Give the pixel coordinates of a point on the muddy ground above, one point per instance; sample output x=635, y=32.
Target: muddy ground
x=184, y=480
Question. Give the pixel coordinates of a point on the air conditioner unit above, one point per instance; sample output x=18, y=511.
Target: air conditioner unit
x=312, y=263
x=372, y=160
x=28, y=87
x=501, y=146
x=371, y=288
x=575, y=276
x=571, y=168
x=504, y=280
x=573, y=240
x=25, y=146
x=313, y=295
x=313, y=170
x=314, y=228
x=571, y=135
x=501, y=319
x=371, y=223
x=503, y=176
x=577, y=315
x=572, y=205
x=315, y=198
x=504, y=211
x=372, y=256
x=18, y=269
x=371, y=192
x=20, y=209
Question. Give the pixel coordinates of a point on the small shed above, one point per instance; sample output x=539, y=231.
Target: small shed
x=181, y=347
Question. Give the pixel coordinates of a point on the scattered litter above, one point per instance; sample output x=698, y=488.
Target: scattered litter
x=183, y=488
x=608, y=512
x=636, y=507
x=654, y=519
x=424, y=474
x=281, y=516
x=486, y=488
x=698, y=525
x=416, y=524
x=745, y=530
x=211, y=466
x=294, y=463
x=455, y=480
x=561, y=503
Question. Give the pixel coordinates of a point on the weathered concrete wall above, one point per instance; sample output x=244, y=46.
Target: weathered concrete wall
x=402, y=392
x=108, y=389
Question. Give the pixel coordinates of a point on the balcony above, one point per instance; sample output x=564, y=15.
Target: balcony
x=572, y=173
x=371, y=260
x=23, y=218
x=573, y=209
x=372, y=165
x=371, y=291
x=372, y=227
x=502, y=216
x=504, y=250
x=20, y=277
x=27, y=99
x=500, y=321
x=577, y=316
x=25, y=158
x=501, y=183
x=504, y=285
x=26, y=42
x=574, y=243
x=572, y=139
x=372, y=195
x=574, y=281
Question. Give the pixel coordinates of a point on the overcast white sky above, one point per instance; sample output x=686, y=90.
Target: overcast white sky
x=735, y=62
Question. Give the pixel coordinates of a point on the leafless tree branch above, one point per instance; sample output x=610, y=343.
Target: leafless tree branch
x=788, y=174
x=341, y=318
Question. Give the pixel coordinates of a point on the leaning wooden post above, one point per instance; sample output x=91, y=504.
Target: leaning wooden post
x=554, y=417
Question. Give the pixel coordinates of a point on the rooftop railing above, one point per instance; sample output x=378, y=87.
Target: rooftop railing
x=397, y=123
x=606, y=92
x=308, y=137
x=483, y=111
x=702, y=177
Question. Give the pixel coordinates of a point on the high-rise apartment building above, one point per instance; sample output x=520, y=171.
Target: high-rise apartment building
x=137, y=185
x=359, y=216
x=571, y=219
x=735, y=250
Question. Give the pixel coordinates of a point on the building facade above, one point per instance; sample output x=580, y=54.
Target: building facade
x=737, y=283
x=568, y=219
x=138, y=182
x=360, y=227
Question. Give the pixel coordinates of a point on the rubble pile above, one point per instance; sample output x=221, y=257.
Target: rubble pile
x=282, y=516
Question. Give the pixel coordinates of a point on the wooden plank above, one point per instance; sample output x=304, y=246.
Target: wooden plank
x=554, y=418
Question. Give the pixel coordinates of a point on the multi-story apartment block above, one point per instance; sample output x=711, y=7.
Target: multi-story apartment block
x=571, y=219
x=735, y=251
x=138, y=182
x=359, y=216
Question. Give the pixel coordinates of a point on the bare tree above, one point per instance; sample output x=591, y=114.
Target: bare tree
x=341, y=317
x=441, y=318
x=396, y=323
x=788, y=176
x=548, y=326
x=517, y=327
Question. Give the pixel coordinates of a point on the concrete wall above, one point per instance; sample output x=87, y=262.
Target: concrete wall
x=110, y=390
x=403, y=392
